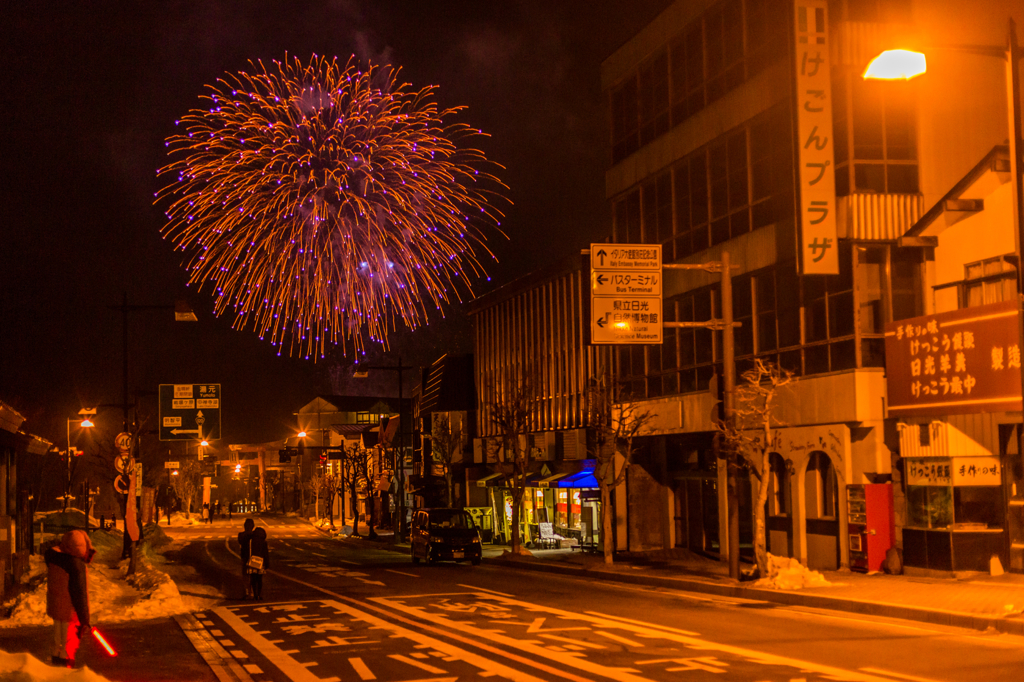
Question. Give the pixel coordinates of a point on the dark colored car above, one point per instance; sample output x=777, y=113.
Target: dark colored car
x=444, y=535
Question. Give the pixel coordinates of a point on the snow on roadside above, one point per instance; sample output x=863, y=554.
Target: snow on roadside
x=28, y=668
x=114, y=596
x=786, y=573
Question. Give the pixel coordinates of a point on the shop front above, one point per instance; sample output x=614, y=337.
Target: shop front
x=954, y=383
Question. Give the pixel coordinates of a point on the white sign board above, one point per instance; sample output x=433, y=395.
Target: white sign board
x=172, y=465
x=625, y=294
x=819, y=243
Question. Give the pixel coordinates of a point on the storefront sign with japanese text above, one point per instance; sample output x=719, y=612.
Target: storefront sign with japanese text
x=960, y=362
x=957, y=471
x=816, y=170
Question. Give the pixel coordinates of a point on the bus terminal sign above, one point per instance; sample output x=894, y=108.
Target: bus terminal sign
x=959, y=362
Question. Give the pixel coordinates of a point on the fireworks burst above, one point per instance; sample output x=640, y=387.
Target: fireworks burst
x=324, y=203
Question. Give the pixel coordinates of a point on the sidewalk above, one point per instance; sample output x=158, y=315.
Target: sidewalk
x=978, y=603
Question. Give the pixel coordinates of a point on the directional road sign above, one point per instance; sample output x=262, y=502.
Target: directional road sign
x=625, y=294
x=189, y=411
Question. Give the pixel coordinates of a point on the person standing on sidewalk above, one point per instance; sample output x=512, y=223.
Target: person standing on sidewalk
x=259, y=549
x=245, y=541
x=67, y=594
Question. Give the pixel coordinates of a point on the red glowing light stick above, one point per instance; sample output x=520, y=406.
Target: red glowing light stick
x=99, y=638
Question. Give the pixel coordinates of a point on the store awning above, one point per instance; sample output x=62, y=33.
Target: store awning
x=549, y=482
x=583, y=479
x=489, y=480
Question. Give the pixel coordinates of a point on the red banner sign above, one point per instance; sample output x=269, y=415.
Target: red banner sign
x=959, y=362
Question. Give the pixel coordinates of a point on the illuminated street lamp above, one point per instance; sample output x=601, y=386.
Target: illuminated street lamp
x=84, y=423
x=896, y=65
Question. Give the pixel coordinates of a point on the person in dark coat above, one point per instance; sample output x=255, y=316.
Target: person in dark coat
x=67, y=594
x=259, y=549
x=245, y=540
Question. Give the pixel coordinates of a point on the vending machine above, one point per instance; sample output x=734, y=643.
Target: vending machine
x=871, y=524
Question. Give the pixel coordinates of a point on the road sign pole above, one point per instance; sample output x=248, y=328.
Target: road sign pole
x=728, y=408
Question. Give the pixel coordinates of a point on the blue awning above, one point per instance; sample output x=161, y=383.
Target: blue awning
x=584, y=479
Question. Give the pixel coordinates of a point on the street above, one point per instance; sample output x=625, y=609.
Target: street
x=350, y=609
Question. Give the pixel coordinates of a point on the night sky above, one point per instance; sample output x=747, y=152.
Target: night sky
x=92, y=89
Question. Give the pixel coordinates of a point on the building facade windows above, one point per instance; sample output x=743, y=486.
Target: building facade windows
x=716, y=53
x=741, y=183
x=875, y=135
x=807, y=325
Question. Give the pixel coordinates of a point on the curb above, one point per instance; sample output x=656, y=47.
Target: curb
x=912, y=613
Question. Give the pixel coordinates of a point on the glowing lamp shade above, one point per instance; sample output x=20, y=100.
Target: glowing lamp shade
x=87, y=424
x=302, y=434
x=204, y=443
x=896, y=65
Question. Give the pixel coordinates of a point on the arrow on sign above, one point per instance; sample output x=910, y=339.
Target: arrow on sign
x=601, y=254
x=601, y=279
x=601, y=322
x=177, y=431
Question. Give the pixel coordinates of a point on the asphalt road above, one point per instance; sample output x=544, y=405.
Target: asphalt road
x=353, y=610
x=341, y=610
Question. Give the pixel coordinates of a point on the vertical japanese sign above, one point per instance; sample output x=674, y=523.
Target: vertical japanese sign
x=815, y=169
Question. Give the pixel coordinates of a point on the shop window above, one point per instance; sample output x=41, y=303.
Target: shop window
x=989, y=281
x=929, y=506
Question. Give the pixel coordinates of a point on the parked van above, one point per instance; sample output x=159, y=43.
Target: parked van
x=444, y=535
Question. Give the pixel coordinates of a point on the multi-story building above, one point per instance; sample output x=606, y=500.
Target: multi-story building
x=730, y=123
x=531, y=333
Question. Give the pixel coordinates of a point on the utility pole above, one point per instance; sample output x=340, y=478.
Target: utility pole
x=726, y=325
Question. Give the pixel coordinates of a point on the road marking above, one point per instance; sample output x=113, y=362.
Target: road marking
x=411, y=575
x=354, y=563
x=674, y=631
x=285, y=663
x=484, y=589
x=912, y=678
x=318, y=554
x=419, y=664
x=488, y=665
x=361, y=669
x=618, y=638
x=591, y=668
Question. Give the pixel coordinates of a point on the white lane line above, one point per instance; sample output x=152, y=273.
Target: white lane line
x=318, y=554
x=361, y=669
x=285, y=663
x=674, y=631
x=354, y=563
x=252, y=668
x=484, y=589
x=618, y=638
x=418, y=664
x=411, y=575
x=912, y=678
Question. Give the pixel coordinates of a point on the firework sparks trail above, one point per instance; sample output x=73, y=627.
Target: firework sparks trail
x=324, y=203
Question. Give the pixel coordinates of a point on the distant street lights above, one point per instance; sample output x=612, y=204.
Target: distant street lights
x=84, y=423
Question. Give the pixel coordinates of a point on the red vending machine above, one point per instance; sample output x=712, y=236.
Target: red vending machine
x=871, y=524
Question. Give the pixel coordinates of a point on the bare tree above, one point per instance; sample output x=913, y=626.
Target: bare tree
x=446, y=441
x=334, y=484
x=747, y=442
x=315, y=484
x=186, y=483
x=616, y=427
x=510, y=413
x=357, y=476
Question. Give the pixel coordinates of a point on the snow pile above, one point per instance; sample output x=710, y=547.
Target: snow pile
x=28, y=668
x=786, y=573
x=522, y=551
x=114, y=596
